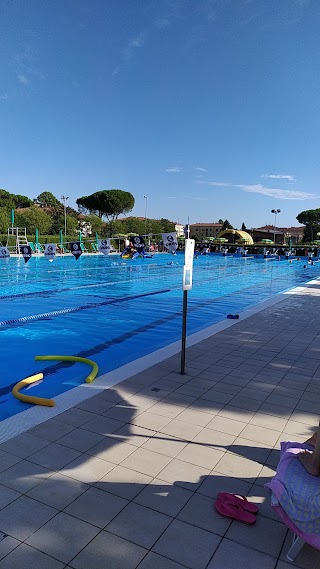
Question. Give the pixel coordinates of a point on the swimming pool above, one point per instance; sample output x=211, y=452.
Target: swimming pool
x=115, y=311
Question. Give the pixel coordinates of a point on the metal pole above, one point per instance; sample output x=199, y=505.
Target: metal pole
x=145, y=216
x=184, y=332
x=274, y=227
x=64, y=198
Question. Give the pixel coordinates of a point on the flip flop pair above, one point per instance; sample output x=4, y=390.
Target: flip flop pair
x=236, y=507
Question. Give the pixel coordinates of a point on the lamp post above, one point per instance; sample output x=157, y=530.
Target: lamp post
x=145, y=215
x=275, y=211
x=64, y=199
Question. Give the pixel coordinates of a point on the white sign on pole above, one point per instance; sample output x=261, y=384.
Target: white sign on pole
x=50, y=251
x=188, y=264
x=4, y=253
x=104, y=246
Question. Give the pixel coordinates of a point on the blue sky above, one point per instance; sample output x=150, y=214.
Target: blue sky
x=210, y=108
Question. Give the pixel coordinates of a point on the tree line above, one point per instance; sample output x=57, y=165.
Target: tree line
x=100, y=210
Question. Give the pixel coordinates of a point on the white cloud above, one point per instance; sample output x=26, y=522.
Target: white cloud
x=218, y=184
x=200, y=169
x=174, y=169
x=287, y=177
x=133, y=44
x=138, y=41
x=278, y=193
x=22, y=78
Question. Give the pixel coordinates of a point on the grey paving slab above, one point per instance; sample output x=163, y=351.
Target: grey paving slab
x=227, y=388
x=58, y=491
x=150, y=420
x=23, y=445
x=236, y=413
x=218, y=396
x=107, y=550
x=75, y=417
x=165, y=444
x=230, y=555
x=96, y=507
x=51, y=430
x=63, y=537
x=88, y=469
x=187, y=544
x=265, y=535
x=181, y=429
x=24, y=475
x=213, y=439
x=96, y=405
x=112, y=450
x=80, y=439
x=103, y=425
x=133, y=435
x=155, y=561
x=238, y=467
x=200, y=512
x=226, y=425
x=171, y=411
x=268, y=421
x=24, y=516
x=7, y=545
x=25, y=556
x=139, y=525
x=217, y=482
x=184, y=474
x=201, y=455
x=7, y=495
x=54, y=456
x=146, y=462
x=194, y=417
x=163, y=497
x=260, y=496
x=307, y=558
x=123, y=482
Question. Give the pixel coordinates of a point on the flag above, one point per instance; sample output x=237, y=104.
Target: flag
x=26, y=252
x=170, y=241
x=50, y=251
x=104, y=246
x=4, y=253
x=75, y=249
x=138, y=243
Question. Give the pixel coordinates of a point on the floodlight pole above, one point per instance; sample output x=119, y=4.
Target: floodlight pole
x=145, y=215
x=275, y=211
x=64, y=199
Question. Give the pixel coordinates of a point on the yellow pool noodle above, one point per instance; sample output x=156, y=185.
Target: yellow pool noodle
x=94, y=366
x=30, y=398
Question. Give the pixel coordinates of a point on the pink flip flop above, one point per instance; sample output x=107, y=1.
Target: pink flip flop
x=235, y=512
x=238, y=499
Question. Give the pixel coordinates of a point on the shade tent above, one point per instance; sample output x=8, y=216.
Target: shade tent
x=219, y=240
x=265, y=242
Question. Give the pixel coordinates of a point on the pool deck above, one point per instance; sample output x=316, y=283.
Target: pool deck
x=127, y=478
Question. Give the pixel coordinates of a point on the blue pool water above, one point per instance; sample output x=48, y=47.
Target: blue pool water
x=114, y=311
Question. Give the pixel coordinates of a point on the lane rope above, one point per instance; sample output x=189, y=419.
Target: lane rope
x=79, y=308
